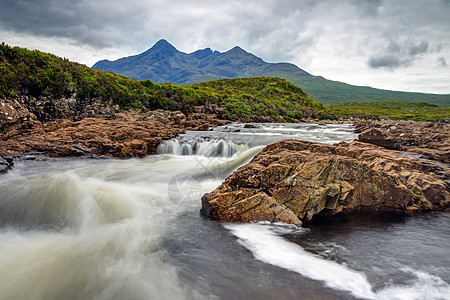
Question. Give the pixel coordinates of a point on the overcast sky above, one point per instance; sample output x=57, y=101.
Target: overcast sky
x=390, y=44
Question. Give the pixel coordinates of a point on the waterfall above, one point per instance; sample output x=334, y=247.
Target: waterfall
x=211, y=148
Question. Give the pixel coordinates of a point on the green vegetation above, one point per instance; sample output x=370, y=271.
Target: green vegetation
x=265, y=96
x=45, y=77
x=395, y=110
x=34, y=76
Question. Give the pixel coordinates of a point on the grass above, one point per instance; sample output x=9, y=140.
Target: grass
x=396, y=110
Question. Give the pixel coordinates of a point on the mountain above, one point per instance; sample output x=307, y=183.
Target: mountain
x=164, y=63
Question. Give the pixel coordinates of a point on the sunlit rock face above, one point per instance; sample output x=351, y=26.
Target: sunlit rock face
x=293, y=181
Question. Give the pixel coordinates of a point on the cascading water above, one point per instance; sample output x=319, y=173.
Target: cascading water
x=130, y=229
x=219, y=148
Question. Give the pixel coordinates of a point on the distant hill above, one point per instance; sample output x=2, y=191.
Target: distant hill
x=164, y=63
x=55, y=88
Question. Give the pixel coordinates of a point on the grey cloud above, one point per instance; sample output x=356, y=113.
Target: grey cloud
x=418, y=49
x=86, y=22
x=368, y=7
x=287, y=7
x=388, y=61
x=442, y=62
x=398, y=54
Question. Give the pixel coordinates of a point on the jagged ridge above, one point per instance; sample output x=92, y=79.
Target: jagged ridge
x=164, y=63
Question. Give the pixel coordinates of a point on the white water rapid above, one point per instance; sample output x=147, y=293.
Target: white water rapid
x=130, y=229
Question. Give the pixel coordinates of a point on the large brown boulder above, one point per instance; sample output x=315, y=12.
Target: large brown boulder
x=292, y=181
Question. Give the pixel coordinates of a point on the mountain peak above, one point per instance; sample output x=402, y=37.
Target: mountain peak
x=162, y=46
x=162, y=43
x=199, y=54
x=237, y=49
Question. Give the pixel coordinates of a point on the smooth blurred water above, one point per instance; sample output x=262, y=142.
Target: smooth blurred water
x=131, y=229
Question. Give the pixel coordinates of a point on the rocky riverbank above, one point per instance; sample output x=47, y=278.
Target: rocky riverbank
x=430, y=139
x=293, y=181
x=122, y=134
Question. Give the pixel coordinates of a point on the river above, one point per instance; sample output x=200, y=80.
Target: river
x=131, y=229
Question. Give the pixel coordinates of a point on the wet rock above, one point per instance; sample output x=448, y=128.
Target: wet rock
x=431, y=139
x=255, y=119
x=33, y=155
x=9, y=160
x=293, y=181
x=5, y=165
x=29, y=157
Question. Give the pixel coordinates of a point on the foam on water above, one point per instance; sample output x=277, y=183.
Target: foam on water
x=121, y=261
x=96, y=229
x=212, y=148
x=424, y=286
x=266, y=244
x=273, y=249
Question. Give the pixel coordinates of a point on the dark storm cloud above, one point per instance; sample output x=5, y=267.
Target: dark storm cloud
x=415, y=50
x=368, y=7
x=398, y=55
x=87, y=22
x=442, y=62
x=288, y=7
x=387, y=61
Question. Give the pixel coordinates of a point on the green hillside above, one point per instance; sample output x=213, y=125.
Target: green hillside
x=395, y=110
x=42, y=79
x=265, y=96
